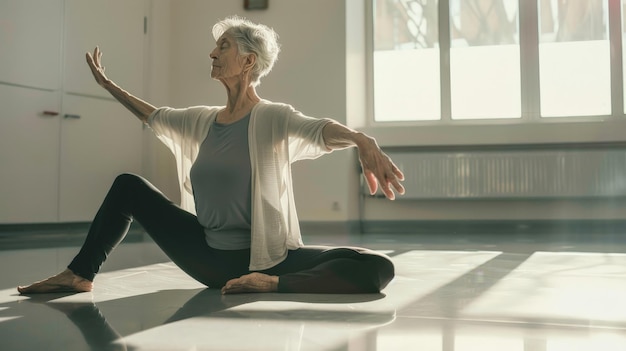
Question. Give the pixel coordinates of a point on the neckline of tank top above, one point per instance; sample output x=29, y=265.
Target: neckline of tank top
x=247, y=116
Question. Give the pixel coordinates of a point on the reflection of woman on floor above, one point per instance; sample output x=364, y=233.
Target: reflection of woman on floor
x=100, y=335
x=234, y=171
x=97, y=332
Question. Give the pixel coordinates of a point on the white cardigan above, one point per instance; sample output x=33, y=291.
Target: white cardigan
x=278, y=135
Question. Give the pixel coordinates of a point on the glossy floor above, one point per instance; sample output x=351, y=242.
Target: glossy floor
x=451, y=293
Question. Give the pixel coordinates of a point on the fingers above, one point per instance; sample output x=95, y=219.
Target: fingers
x=388, y=180
x=372, y=183
x=398, y=187
x=94, y=62
x=95, y=58
x=227, y=289
x=397, y=172
x=99, y=57
x=395, y=181
x=230, y=286
x=381, y=179
x=91, y=64
x=387, y=191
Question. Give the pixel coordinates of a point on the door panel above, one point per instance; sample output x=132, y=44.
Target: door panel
x=29, y=155
x=100, y=139
x=30, y=42
x=117, y=27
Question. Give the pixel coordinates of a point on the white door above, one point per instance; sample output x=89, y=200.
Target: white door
x=29, y=155
x=54, y=168
x=30, y=61
x=99, y=140
x=117, y=27
x=30, y=42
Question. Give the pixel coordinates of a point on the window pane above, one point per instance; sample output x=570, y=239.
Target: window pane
x=406, y=60
x=574, y=61
x=484, y=59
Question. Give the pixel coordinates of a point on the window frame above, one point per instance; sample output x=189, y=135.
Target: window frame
x=581, y=129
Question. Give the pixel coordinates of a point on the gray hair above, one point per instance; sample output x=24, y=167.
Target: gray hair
x=251, y=38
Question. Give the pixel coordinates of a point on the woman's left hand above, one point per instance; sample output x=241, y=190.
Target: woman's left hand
x=379, y=169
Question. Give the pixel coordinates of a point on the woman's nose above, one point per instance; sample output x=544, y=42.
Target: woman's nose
x=212, y=54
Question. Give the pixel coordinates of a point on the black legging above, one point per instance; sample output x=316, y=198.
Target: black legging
x=310, y=269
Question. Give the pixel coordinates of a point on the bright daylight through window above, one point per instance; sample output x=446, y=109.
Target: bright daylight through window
x=567, y=52
x=574, y=58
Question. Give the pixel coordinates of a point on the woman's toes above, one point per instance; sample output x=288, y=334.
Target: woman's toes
x=65, y=281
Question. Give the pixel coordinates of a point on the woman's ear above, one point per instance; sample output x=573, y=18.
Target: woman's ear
x=250, y=61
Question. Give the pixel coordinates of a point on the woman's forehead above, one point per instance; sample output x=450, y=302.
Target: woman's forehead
x=225, y=37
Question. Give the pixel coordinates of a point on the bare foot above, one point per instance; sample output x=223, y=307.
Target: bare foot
x=251, y=283
x=65, y=281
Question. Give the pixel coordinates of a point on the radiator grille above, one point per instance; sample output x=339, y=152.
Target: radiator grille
x=512, y=174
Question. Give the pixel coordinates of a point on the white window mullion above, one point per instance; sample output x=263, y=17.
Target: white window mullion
x=369, y=61
x=529, y=51
x=617, y=77
x=444, y=60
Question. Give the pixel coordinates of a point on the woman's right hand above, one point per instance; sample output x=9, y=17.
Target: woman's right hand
x=93, y=60
x=138, y=107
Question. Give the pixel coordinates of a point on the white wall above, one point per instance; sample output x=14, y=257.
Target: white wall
x=158, y=161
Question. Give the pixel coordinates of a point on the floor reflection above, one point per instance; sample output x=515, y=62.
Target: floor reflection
x=505, y=297
x=150, y=314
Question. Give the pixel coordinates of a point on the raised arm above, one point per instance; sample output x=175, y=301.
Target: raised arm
x=138, y=107
x=378, y=168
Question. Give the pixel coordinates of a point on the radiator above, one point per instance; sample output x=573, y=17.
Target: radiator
x=512, y=174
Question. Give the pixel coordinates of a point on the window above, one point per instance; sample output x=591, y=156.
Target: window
x=406, y=61
x=574, y=58
x=449, y=60
x=484, y=59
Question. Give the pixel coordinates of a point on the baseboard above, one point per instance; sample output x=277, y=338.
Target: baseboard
x=494, y=226
x=347, y=227
x=464, y=226
x=46, y=235
x=28, y=236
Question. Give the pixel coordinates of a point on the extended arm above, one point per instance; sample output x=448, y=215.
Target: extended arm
x=378, y=168
x=138, y=107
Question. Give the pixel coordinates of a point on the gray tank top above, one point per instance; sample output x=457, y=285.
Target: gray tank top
x=220, y=178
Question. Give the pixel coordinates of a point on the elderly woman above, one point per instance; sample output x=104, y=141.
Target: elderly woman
x=237, y=227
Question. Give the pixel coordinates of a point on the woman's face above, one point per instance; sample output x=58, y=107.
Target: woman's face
x=227, y=63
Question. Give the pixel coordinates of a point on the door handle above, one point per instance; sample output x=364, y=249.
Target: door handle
x=50, y=113
x=68, y=116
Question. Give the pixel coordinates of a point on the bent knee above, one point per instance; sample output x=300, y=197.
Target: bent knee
x=127, y=181
x=125, y=178
x=386, y=271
